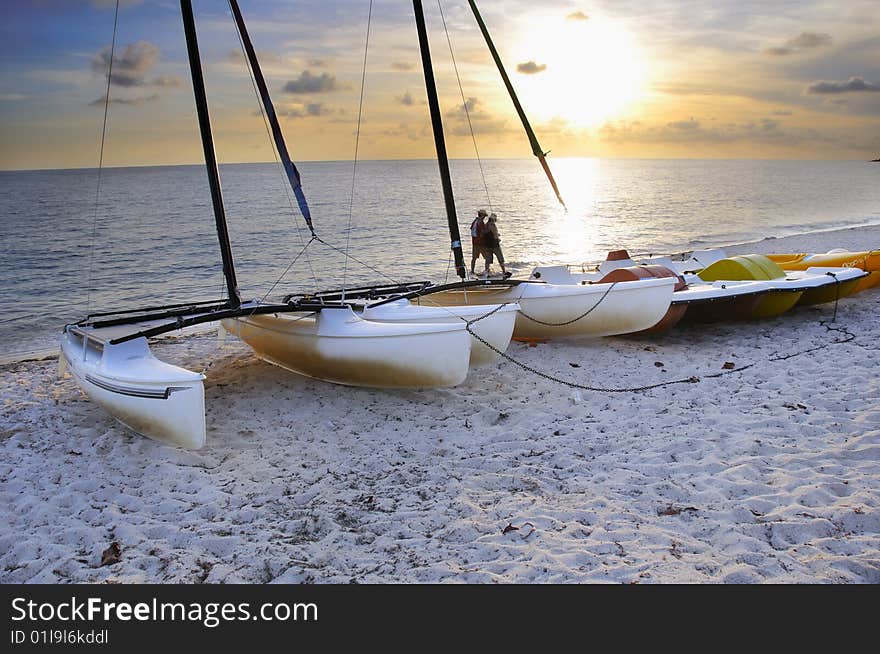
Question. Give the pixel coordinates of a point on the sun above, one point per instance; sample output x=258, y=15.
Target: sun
x=582, y=71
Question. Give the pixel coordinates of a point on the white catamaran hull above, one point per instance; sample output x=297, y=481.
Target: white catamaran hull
x=553, y=310
x=337, y=346
x=155, y=399
x=491, y=326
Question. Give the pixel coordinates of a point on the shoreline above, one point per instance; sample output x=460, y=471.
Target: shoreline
x=848, y=239
x=769, y=474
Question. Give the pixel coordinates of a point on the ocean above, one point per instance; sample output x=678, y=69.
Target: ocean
x=149, y=238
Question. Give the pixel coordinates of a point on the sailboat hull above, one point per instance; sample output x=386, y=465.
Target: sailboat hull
x=337, y=346
x=490, y=326
x=556, y=310
x=153, y=398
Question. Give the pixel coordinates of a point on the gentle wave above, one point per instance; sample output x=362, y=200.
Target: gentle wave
x=155, y=239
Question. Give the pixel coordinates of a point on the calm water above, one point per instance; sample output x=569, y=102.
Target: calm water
x=154, y=239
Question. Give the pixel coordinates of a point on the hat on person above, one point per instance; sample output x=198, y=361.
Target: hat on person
x=481, y=212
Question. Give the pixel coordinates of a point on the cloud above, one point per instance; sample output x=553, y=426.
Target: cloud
x=803, y=41
x=470, y=105
x=577, y=15
x=530, y=68
x=692, y=131
x=134, y=102
x=852, y=85
x=810, y=40
x=688, y=124
x=781, y=112
x=481, y=121
x=167, y=81
x=12, y=97
x=406, y=99
x=130, y=68
x=401, y=65
x=305, y=110
x=308, y=83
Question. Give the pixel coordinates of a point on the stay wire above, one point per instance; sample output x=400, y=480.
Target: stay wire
x=101, y=160
x=284, y=181
x=357, y=141
x=464, y=105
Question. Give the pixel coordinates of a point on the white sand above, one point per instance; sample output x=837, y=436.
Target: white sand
x=770, y=474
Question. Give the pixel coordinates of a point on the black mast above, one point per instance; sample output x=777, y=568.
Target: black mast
x=533, y=140
x=192, y=47
x=439, y=141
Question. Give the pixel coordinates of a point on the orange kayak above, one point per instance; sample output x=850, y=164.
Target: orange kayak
x=867, y=261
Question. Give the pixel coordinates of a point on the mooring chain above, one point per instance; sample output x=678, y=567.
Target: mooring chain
x=573, y=320
x=635, y=389
x=570, y=384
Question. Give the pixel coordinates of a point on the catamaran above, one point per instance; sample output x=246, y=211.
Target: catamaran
x=109, y=357
x=490, y=327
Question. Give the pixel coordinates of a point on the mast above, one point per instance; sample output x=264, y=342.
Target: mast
x=289, y=167
x=192, y=47
x=533, y=140
x=439, y=141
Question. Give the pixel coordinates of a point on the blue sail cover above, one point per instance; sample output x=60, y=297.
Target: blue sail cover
x=289, y=167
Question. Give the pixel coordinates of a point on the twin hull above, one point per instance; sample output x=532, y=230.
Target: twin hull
x=557, y=310
x=167, y=403
x=336, y=345
x=490, y=326
x=154, y=398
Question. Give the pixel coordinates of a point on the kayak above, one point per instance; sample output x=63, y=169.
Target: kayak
x=712, y=287
x=788, y=288
x=692, y=301
x=868, y=261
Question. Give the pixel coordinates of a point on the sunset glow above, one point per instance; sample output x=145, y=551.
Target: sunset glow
x=664, y=79
x=591, y=70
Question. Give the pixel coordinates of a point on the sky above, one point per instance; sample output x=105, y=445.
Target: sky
x=598, y=78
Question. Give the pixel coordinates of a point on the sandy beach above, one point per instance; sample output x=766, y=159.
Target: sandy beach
x=766, y=474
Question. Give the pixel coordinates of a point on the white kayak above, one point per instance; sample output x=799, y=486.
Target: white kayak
x=693, y=300
x=338, y=346
x=491, y=326
x=154, y=398
x=558, y=310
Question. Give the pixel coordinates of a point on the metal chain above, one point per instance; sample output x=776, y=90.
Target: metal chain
x=849, y=336
x=573, y=320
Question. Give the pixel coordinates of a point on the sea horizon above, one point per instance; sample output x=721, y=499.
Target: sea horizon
x=398, y=159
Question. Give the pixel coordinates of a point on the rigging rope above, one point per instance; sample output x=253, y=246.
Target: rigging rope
x=101, y=161
x=289, y=266
x=357, y=142
x=278, y=163
x=464, y=104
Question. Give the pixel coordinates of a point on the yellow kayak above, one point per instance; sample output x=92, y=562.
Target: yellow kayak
x=867, y=261
x=785, y=288
x=755, y=267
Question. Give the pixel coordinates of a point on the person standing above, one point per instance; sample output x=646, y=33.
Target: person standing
x=492, y=245
x=478, y=236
